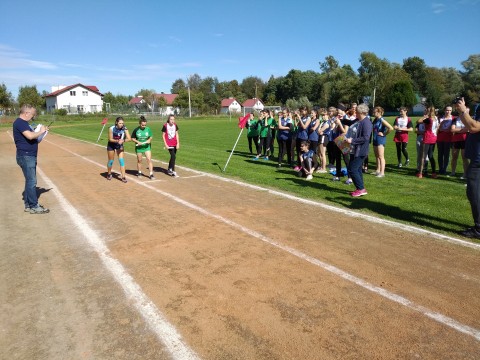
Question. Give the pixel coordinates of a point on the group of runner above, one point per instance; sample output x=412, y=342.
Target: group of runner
x=142, y=136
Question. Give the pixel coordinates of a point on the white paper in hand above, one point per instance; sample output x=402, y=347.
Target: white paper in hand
x=41, y=137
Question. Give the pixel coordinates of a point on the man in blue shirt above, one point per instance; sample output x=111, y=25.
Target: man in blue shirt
x=472, y=152
x=26, y=141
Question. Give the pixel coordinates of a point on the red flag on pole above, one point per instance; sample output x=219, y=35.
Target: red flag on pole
x=242, y=121
x=104, y=121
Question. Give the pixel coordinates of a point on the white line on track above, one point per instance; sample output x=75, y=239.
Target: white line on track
x=164, y=331
x=445, y=320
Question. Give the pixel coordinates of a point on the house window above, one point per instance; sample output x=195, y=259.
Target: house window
x=73, y=93
x=85, y=93
x=80, y=108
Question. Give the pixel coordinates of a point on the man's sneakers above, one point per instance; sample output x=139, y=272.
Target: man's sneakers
x=471, y=233
x=39, y=209
x=309, y=177
x=358, y=193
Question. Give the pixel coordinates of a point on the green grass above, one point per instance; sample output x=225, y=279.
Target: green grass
x=435, y=204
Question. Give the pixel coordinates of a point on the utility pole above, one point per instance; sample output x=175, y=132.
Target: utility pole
x=189, y=102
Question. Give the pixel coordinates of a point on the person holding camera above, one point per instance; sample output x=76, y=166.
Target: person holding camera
x=472, y=152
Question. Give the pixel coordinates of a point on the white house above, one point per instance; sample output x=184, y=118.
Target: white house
x=252, y=105
x=76, y=99
x=230, y=105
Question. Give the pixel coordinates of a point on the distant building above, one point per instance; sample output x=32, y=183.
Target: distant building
x=141, y=104
x=76, y=99
x=419, y=108
x=252, y=105
x=229, y=106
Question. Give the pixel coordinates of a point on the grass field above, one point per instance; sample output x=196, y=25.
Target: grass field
x=435, y=204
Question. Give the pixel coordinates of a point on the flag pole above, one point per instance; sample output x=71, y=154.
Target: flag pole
x=104, y=122
x=231, y=153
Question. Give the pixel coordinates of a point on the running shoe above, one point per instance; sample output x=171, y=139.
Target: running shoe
x=152, y=177
x=336, y=178
x=174, y=174
x=109, y=176
x=39, y=209
x=309, y=177
x=348, y=182
x=139, y=174
x=124, y=180
x=358, y=193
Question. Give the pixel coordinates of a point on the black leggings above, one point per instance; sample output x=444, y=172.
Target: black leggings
x=402, y=149
x=331, y=152
x=338, y=160
x=428, y=150
x=173, y=155
x=264, y=146
x=285, y=146
x=255, y=142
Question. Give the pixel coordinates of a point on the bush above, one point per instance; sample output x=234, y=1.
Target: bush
x=60, y=112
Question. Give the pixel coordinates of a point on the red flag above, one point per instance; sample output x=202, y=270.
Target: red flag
x=104, y=121
x=242, y=121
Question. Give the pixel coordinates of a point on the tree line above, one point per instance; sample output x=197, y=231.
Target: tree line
x=376, y=81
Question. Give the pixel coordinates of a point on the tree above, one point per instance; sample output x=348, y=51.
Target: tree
x=401, y=94
x=194, y=81
x=270, y=91
x=339, y=84
x=178, y=85
x=211, y=101
x=29, y=95
x=6, y=99
x=196, y=98
x=252, y=87
x=454, y=85
x=471, y=77
x=434, y=87
x=417, y=69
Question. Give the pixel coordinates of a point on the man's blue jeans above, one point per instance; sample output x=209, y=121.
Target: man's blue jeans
x=473, y=192
x=29, y=168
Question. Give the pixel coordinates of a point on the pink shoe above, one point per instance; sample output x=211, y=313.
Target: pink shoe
x=297, y=168
x=358, y=193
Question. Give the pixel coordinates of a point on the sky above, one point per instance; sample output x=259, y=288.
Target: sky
x=122, y=47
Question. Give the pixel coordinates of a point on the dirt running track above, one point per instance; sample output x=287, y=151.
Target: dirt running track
x=200, y=268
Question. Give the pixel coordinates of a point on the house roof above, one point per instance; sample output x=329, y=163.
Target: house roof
x=228, y=102
x=169, y=98
x=68, y=88
x=136, y=100
x=251, y=102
